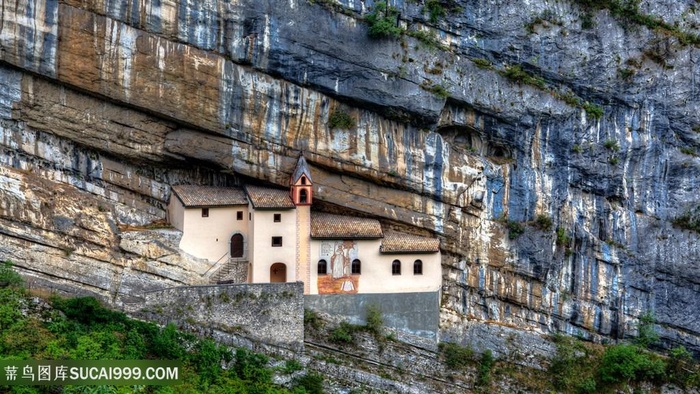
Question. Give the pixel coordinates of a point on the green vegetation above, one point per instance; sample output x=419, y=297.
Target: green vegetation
x=546, y=18
x=515, y=229
x=427, y=38
x=625, y=363
x=573, y=366
x=689, y=151
x=312, y=320
x=626, y=73
x=578, y=367
x=344, y=333
x=82, y=329
x=340, y=120
x=436, y=89
x=689, y=220
x=628, y=12
x=614, y=160
x=483, y=63
x=647, y=335
x=456, y=357
x=484, y=369
x=570, y=99
x=595, y=111
x=576, y=148
x=383, y=21
x=543, y=222
x=611, y=144
x=562, y=238
x=375, y=322
x=435, y=10
x=517, y=74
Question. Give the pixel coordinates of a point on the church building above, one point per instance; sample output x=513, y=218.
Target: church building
x=272, y=235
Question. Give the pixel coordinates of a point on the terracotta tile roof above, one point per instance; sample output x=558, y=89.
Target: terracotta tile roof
x=209, y=196
x=265, y=197
x=325, y=225
x=406, y=243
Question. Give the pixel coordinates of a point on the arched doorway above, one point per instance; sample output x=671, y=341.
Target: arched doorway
x=278, y=273
x=237, y=245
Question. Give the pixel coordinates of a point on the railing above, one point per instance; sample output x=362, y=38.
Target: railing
x=215, y=264
x=227, y=268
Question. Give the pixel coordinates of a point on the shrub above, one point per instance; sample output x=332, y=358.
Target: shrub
x=456, y=356
x=571, y=368
x=482, y=63
x=515, y=229
x=484, y=370
x=622, y=363
x=383, y=21
x=562, y=238
x=435, y=10
x=611, y=144
x=436, y=89
x=517, y=74
x=688, y=221
x=312, y=319
x=291, y=366
x=8, y=276
x=680, y=367
x=251, y=366
x=343, y=334
x=647, y=334
x=543, y=222
x=168, y=344
x=312, y=383
x=375, y=323
x=614, y=160
x=595, y=111
x=340, y=120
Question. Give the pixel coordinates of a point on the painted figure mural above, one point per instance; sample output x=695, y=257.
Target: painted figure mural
x=340, y=254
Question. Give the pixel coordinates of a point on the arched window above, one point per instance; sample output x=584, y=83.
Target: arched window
x=396, y=267
x=356, y=267
x=417, y=267
x=303, y=180
x=303, y=197
x=322, y=267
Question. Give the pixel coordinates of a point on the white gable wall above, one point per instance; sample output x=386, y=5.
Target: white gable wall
x=209, y=237
x=264, y=228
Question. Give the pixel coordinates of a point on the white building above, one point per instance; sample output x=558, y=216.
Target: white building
x=274, y=235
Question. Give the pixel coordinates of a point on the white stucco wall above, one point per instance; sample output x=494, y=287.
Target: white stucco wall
x=209, y=237
x=376, y=276
x=176, y=212
x=264, y=254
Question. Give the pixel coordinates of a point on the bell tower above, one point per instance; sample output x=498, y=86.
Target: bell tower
x=301, y=191
x=301, y=187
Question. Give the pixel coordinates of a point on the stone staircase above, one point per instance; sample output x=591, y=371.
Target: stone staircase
x=233, y=270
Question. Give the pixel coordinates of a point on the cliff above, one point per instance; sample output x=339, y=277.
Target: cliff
x=576, y=126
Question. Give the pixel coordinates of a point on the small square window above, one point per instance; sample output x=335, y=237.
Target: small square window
x=205, y=212
x=239, y=215
x=278, y=217
x=276, y=241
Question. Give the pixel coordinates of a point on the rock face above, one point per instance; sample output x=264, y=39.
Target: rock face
x=104, y=104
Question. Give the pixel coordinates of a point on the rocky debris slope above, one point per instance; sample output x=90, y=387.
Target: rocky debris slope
x=549, y=145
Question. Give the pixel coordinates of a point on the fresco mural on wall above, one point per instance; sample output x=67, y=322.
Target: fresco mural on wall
x=339, y=280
